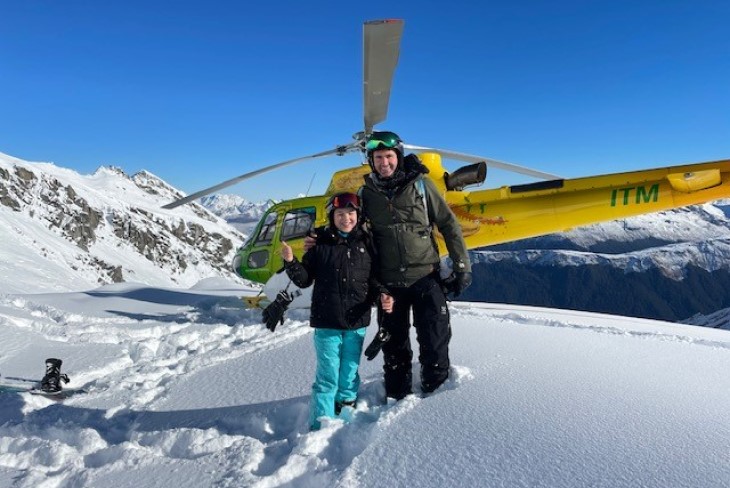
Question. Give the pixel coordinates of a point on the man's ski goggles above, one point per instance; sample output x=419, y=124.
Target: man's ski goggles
x=383, y=140
x=344, y=200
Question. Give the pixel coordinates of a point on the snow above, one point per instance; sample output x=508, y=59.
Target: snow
x=187, y=388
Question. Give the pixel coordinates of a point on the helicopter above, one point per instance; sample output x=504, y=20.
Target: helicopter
x=487, y=216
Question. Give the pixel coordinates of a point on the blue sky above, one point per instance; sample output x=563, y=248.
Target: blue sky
x=201, y=91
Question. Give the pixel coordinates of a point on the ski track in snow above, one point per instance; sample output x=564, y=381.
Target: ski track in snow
x=51, y=445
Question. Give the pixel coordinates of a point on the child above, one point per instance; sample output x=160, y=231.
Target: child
x=341, y=267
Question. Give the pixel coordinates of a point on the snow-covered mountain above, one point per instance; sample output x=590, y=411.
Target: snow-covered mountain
x=68, y=231
x=672, y=266
x=668, y=241
x=236, y=210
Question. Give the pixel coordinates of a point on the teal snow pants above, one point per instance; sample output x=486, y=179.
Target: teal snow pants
x=337, y=380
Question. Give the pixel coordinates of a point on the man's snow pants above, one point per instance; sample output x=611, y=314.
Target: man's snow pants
x=433, y=332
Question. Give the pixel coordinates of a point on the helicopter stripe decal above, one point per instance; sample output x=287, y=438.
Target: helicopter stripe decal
x=540, y=185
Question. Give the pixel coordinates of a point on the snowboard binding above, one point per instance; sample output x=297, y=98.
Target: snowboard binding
x=51, y=382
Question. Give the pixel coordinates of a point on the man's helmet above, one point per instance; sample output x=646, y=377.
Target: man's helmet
x=384, y=140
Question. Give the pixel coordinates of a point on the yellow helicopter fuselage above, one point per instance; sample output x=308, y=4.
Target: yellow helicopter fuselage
x=498, y=215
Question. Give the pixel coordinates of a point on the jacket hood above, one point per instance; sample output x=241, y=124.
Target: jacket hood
x=409, y=170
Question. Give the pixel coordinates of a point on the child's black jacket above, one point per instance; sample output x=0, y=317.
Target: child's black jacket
x=345, y=284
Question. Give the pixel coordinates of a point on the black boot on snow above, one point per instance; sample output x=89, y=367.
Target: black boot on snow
x=398, y=378
x=340, y=405
x=51, y=382
x=432, y=377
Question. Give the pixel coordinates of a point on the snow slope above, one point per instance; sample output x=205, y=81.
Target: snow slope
x=187, y=389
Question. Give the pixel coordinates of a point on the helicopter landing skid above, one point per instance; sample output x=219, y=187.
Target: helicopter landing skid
x=255, y=301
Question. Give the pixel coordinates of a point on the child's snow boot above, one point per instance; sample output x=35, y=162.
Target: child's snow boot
x=340, y=405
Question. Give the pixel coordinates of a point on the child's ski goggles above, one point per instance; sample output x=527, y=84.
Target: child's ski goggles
x=344, y=200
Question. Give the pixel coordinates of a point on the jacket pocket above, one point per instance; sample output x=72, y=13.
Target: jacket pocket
x=418, y=246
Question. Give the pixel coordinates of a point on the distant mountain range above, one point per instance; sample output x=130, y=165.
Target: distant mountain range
x=74, y=232
x=236, y=210
x=671, y=266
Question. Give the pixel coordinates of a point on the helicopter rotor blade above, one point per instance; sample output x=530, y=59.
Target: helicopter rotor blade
x=490, y=162
x=339, y=151
x=381, y=48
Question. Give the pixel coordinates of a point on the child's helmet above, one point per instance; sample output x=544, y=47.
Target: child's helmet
x=342, y=200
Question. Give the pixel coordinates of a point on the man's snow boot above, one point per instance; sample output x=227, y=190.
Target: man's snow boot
x=51, y=382
x=432, y=377
x=398, y=378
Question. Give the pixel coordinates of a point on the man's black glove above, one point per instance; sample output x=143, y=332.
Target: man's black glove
x=274, y=313
x=447, y=285
x=376, y=345
x=462, y=280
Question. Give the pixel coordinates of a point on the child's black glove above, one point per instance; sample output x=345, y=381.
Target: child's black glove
x=381, y=337
x=273, y=314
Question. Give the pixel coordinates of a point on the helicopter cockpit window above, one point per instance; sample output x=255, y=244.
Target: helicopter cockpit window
x=266, y=234
x=297, y=223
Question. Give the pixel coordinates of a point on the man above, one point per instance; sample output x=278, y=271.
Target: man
x=401, y=207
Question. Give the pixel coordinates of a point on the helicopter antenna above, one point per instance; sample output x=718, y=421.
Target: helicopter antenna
x=306, y=194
